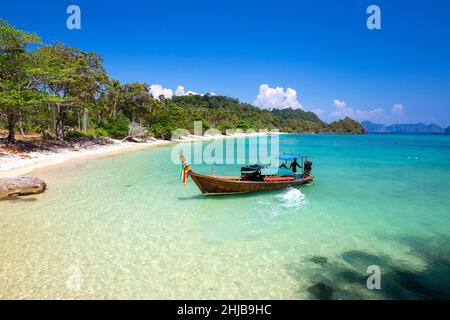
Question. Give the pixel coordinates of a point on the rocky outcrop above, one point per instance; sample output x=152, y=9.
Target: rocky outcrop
x=20, y=186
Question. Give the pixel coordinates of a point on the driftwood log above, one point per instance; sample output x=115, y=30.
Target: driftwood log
x=20, y=186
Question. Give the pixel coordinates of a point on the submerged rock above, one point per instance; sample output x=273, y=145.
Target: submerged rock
x=20, y=186
x=321, y=291
x=319, y=259
x=353, y=277
x=361, y=259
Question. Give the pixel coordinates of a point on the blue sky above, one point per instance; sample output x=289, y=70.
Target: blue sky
x=321, y=49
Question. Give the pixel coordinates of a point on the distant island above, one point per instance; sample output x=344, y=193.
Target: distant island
x=403, y=128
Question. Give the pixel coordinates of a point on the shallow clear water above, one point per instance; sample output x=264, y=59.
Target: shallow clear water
x=125, y=227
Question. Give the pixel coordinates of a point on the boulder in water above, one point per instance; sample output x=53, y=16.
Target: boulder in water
x=20, y=186
x=321, y=291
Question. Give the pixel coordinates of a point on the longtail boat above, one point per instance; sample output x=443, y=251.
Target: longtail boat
x=252, y=179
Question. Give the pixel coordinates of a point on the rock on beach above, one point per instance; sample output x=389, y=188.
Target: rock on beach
x=20, y=186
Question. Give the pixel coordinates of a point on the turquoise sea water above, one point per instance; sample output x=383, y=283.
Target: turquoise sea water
x=126, y=227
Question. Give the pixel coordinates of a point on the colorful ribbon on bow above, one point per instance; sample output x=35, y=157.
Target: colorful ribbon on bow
x=185, y=170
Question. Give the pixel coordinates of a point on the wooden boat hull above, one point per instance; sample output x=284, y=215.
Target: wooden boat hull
x=210, y=185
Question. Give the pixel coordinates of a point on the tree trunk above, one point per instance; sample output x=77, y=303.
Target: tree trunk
x=114, y=110
x=59, y=130
x=22, y=132
x=54, y=119
x=11, y=135
x=85, y=119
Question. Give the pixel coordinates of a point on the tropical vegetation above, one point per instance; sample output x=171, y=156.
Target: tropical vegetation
x=63, y=92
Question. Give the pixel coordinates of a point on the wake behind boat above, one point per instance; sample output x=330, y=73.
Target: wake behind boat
x=254, y=179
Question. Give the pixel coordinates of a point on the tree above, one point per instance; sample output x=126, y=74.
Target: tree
x=17, y=86
x=134, y=100
x=72, y=78
x=113, y=97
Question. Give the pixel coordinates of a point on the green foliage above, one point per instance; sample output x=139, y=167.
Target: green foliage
x=56, y=86
x=134, y=100
x=101, y=132
x=116, y=128
x=14, y=59
x=74, y=134
x=167, y=120
x=16, y=82
x=221, y=113
x=72, y=79
x=346, y=125
x=90, y=133
x=225, y=113
x=47, y=136
x=297, y=114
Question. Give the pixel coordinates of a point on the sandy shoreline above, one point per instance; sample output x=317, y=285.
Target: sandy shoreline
x=14, y=165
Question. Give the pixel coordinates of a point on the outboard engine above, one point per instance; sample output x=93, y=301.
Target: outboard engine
x=251, y=173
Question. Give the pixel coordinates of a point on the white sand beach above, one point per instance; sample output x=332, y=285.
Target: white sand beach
x=12, y=165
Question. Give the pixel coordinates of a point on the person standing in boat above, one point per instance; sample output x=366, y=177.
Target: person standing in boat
x=294, y=165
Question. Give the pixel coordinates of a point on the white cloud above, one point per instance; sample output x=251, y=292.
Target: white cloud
x=374, y=114
x=398, y=109
x=188, y=93
x=339, y=104
x=179, y=91
x=157, y=90
x=276, y=98
x=343, y=110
